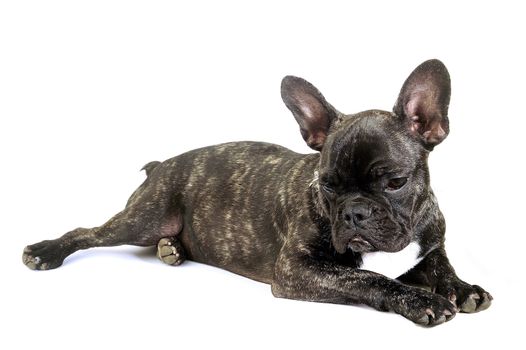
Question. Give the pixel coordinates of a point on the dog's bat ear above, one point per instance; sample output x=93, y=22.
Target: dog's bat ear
x=313, y=113
x=423, y=102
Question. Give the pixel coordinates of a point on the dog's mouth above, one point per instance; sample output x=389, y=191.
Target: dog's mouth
x=385, y=236
x=368, y=242
x=360, y=245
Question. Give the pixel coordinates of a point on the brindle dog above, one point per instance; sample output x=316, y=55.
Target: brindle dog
x=317, y=226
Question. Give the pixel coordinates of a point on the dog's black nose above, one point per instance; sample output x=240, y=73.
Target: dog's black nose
x=357, y=214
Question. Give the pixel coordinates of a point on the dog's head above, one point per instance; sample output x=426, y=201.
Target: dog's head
x=373, y=177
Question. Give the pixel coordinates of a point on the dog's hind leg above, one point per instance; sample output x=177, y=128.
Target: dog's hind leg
x=131, y=226
x=150, y=216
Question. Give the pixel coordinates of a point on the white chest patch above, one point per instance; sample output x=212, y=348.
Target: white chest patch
x=392, y=265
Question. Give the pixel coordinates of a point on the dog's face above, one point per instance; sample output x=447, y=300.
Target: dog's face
x=373, y=179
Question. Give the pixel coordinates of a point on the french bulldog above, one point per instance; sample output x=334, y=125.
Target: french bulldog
x=354, y=223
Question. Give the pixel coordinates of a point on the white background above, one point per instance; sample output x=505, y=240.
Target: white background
x=91, y=91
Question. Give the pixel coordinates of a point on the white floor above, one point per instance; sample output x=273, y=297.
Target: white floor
x=123, y=297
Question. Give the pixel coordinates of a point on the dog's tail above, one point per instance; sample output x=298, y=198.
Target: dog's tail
x=150, y=167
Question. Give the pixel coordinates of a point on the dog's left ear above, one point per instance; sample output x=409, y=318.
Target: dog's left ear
x=424, y=100
x=313, y=113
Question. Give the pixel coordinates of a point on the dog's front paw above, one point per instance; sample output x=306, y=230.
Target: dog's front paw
x=425, y=308
x=45, y=255
x=468, y=298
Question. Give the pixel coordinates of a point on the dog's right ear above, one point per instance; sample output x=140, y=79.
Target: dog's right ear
x=313, y=113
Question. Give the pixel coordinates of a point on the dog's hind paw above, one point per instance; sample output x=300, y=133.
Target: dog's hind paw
x=170, y=251
x=45, y=255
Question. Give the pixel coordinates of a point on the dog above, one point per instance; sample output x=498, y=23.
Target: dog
x=354, y=223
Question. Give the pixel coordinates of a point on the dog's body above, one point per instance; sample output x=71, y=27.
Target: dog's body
x=323, y=227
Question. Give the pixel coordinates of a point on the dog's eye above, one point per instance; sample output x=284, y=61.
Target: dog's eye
x=396, y=183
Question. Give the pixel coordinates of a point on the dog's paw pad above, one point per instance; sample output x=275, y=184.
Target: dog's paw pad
x=170, y=251
x=470, y=304
x=485, y=302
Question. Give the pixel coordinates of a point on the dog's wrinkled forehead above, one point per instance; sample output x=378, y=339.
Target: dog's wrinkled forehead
x=368, y=139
